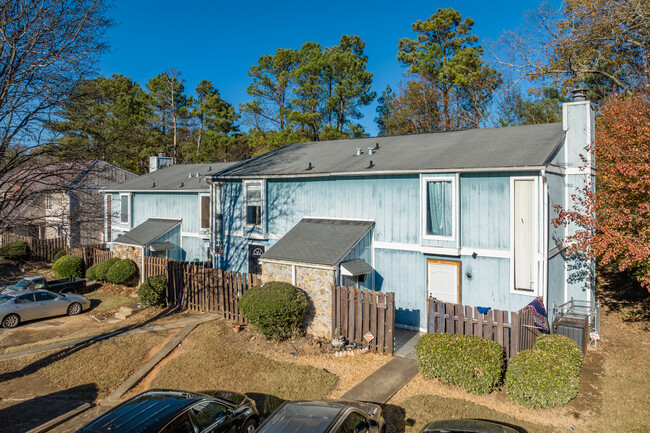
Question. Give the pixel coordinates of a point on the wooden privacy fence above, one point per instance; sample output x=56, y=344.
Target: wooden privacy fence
x=356, y=312
x=39, y=249
x=513, y=331
x=198, y=288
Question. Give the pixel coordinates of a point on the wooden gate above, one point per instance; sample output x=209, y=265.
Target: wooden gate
x=513, y=331
x=357, y=312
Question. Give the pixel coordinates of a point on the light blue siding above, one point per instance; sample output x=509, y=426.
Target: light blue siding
x=485, y=211
x=393, y=202
x=174, y=237
x=556, y=282
x=184, y=206
x=194, y=249
x=363, y=250
x=403, y=272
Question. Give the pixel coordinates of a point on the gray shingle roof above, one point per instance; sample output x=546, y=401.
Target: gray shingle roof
x=147, y=232
x=170, y=178
x=517, y=146
x=357, y=267
x=319, y=241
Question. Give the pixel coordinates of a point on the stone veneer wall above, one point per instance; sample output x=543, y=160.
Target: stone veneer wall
x=317, y=283
x=129, y=252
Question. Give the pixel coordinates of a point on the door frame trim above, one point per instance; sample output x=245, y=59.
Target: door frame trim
x=456, y=263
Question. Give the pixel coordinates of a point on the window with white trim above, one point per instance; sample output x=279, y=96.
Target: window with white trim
x=124, y=208
x=439, y=208
x=254, y=197
x=524, y=234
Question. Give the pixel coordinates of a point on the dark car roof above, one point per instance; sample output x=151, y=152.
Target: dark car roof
x=466, y=426
x=307, y=416
x=147, y=412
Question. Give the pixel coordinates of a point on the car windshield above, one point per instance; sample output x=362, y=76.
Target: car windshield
x=22, y=284
x=4, y=299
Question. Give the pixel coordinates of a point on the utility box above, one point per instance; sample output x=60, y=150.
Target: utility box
x=575, y=328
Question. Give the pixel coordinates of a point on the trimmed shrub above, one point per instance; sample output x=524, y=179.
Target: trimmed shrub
x=151, y=293
x=102, y=268
x=276, y=309
x=539, y=379
x=122, y=272
x=91, y=273
x=475, y=364
x=58, y=255
x=18, y=250
x=68, y=266
x=563, y=347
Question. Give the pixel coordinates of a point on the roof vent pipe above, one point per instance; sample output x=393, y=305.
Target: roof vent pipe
x=358, y=152
x=377, y=146
x=190, y=176
x=371, y=165
x=309, y=167
x=579, y=95
x=370, y=151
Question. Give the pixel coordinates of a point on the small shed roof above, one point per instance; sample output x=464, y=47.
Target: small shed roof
x=356, y=267
x=147, y=232
x=475, y=149
x=319, y=241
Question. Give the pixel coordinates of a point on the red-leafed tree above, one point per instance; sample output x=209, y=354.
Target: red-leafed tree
x=614, y=223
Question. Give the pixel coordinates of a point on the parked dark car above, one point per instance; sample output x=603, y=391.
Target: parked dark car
x=169, y=411
x=65, y=285
x=18, y=306
x=467, y=426
x=323, y=416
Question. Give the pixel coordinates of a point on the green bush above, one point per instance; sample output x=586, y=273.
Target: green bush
x=102, y=268
x=276, y=309
x=123, y=272
x=537, y=378
x=68, y=266
x=91, y=273
x=58, y=255
x=151, y=293
x=563, y=347
x=475, y=364
x=18, y=250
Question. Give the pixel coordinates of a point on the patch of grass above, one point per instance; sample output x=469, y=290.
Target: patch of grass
x=424, y=409
x=208, y=364
x=106, y=363
x=110, y=301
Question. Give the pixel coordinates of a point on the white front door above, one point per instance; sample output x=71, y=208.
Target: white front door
x=443, y=280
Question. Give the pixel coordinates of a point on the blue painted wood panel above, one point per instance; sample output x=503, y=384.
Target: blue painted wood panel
x=485, y=211
x=391, y=201
x=167, y=205
x=363, y=250
x=174, y=237
x=556, y=282
x=194, y=249
x=403, y=272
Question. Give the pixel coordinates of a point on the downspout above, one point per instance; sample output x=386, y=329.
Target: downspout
x=546, y=222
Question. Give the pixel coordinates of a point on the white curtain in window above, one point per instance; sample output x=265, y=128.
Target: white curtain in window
x=439, y=208
x=524, y=242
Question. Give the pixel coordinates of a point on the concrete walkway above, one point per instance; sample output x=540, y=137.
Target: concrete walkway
x=381, y=385
x=180, y=323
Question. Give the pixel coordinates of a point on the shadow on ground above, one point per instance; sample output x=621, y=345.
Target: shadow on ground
x=621, y=292
x=28, y=414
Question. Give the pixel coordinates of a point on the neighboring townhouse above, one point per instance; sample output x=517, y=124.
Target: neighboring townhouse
x=163, y=213
x=64, y=199
x=465, y=216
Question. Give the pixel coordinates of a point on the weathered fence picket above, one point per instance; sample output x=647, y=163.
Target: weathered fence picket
x=514, y=336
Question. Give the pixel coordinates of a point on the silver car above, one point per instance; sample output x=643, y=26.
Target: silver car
x=24, y=305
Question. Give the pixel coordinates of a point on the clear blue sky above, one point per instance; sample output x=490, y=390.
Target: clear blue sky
x=220, y=40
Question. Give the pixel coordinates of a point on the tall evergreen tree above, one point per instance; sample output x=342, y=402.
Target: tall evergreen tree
x=446, y=54
x=104, y=118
